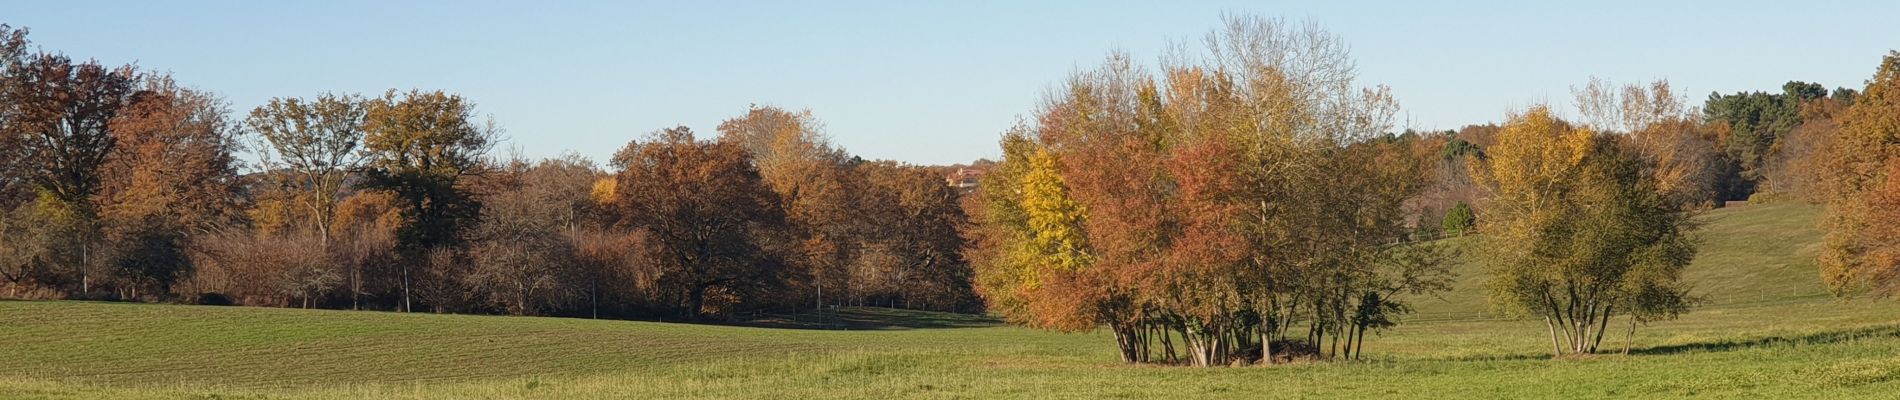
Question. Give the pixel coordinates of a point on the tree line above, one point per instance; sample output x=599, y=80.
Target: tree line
x=122, y=184
x=1210, y=210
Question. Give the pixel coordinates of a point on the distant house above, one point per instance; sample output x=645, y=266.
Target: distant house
x=964, y=178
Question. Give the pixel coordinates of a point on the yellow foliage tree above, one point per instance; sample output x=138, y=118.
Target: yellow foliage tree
x=1054, y=218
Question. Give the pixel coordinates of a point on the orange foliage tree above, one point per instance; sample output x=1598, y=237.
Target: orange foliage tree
x=1861, y=249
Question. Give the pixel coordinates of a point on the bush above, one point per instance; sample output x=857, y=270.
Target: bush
x=214, y=299
x=1459, y=220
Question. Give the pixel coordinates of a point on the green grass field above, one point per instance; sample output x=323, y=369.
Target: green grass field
x=1769, y=330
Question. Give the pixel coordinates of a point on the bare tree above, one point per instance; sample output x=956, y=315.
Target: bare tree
x=312, y=147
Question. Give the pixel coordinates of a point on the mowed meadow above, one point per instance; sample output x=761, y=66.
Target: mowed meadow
x=1768, y=329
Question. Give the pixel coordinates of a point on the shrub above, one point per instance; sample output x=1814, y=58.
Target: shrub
x=1459, y=220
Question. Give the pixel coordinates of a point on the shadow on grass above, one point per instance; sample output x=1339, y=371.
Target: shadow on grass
x=1828, y=337
x=1886, y=332
x=1500, y=357
x=868, y=318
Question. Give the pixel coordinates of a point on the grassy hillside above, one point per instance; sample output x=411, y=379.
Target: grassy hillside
x=1769, y=329
x=1748, y=255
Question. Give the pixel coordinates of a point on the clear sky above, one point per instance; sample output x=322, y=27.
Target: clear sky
x=925, y=82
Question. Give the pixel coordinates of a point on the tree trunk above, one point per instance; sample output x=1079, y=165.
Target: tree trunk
x=85, y=267
x=696, y=302
x=1556, y=348
x=356, y=286
x=406, y=305
x=1167, y=342
x=1602, y=325
x=1266, y=342
x=1141, y=341
x=1200, y=347
x=1359, y=345
x=1125, y=341
x=1630, y=339
x=1333, y=352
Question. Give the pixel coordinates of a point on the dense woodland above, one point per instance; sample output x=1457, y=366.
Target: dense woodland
x=1247, y=202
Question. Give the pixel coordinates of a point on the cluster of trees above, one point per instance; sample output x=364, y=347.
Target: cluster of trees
x=1755, y=146
x=1756, y=130
x=1208, y=214
x=106, y=174
x=123, y=184
x=1249, y=204
x=771, y=214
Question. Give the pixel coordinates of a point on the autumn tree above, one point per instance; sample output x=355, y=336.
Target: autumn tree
x=1057, y=250
x=13, y=146
x=1799, y=166
x=420, y=145
x=1752, y=127
x=26, y=244
x=1221, y=202
x=704, y=209
x=312, y=146
x=915, y=221
x=523, y=250
x=171, y=178
x=61, y=113
x=1678, y=145
x=996, y=245
x=813, y=182
x=1579, y=230
x=613, y=266
x=366, y=224
x=1863, y=190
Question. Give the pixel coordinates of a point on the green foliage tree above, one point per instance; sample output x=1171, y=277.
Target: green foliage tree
x=1579, y=231
x=1459, y=220
x=1458, y=148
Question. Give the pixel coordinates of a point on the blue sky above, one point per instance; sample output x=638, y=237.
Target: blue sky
x=926, y=82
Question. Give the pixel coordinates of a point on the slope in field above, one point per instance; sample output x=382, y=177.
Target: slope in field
x=1751, y=254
